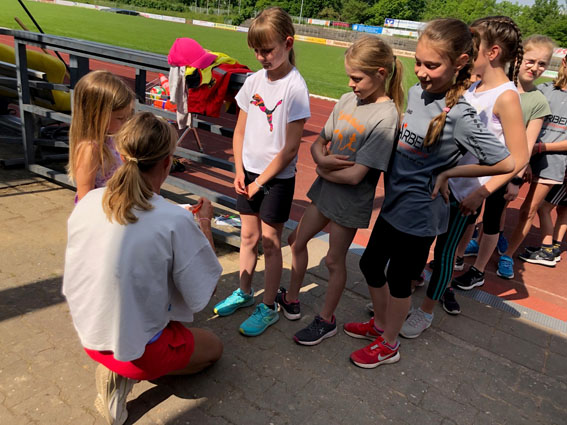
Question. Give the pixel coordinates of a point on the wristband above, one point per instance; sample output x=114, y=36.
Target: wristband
x=539, y=147
x=517, y=181
x=258, y=184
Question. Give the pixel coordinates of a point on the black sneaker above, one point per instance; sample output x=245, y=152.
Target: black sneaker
x=291, y=311
x=450, y=304
x=541, y=256
x=469, y=280
x=317, y=331
x=459, y=264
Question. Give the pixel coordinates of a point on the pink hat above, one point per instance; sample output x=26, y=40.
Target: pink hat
x=187, y=52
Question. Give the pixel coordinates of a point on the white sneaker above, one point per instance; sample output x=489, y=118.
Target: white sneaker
x=113, y=390
x=415, y=324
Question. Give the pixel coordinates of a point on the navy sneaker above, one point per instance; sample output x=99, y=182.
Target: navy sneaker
x=449, y=302
x=291, y=311
x=317, y=331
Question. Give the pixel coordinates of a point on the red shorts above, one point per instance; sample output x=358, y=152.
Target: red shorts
x=171, y=351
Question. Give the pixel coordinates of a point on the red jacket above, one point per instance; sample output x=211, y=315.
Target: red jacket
x=208, y=99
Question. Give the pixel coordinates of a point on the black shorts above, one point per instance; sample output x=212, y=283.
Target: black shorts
x=558, y=195
x=272, y=203
x=494, y=206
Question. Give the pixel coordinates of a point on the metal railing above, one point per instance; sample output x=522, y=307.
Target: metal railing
x=80, y=53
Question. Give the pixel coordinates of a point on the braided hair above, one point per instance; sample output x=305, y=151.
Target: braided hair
x=452, y=38
x=502, y=31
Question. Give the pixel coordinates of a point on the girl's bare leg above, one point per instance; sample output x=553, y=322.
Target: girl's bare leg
x=340, y=239
x=249, y=237
x=310, y=224
x=271, y=242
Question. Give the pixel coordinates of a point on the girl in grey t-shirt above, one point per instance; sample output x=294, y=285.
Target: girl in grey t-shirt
x=361, y=131
x=438, y=128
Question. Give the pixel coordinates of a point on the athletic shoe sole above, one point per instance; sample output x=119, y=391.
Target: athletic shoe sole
x=390, y=360
x=289, y=316
x=541, y=262
x=504, y=276
x=261, y=331
x=327, y=335
x=459, y=267
x=451, y=312
x=368, y=337
x=468, y=288
x=229, y=312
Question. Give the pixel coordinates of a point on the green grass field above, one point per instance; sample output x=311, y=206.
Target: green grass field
x=321, y=66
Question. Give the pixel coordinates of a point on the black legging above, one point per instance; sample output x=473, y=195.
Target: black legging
x=407, y=255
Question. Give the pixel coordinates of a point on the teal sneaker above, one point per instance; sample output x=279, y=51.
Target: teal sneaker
x=262, y=317
x=233, y=302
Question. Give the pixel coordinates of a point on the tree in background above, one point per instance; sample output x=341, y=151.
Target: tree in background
x=411, y=10
x=355, y=11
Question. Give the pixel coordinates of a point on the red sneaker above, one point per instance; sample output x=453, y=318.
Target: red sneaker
x=375, y=354
x=364, y=330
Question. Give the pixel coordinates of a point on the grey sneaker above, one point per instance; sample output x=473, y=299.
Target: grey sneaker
x=415, y=324
x=113, y=390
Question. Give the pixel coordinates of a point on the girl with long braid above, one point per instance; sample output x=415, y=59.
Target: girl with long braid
x=438, y=127
x=497, y=101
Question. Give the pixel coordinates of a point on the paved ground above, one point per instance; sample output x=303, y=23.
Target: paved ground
x=483, y=367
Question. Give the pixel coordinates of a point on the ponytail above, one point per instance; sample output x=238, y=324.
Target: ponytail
x=395, y=89
x=462, y=83
x=143, y=142
x=368, y=54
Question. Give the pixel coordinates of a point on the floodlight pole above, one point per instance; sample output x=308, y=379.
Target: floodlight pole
x=301, y=11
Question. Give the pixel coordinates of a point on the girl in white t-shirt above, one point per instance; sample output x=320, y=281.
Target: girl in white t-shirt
x=361, y=132
x=274, y=105
x=136, y=267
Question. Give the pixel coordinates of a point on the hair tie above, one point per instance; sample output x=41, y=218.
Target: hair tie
x=129, y=158
x=446, y=109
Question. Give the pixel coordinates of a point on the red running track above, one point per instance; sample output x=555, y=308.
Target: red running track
x=537, y=287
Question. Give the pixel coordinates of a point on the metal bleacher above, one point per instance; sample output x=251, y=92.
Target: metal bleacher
x=28, y=83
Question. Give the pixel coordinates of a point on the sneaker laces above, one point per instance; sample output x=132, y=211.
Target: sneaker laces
x=416, y=318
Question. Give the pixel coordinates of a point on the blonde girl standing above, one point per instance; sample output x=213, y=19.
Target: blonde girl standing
x=438, y=126
x=102, y=103
x=361, y=131
x=274, y=104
